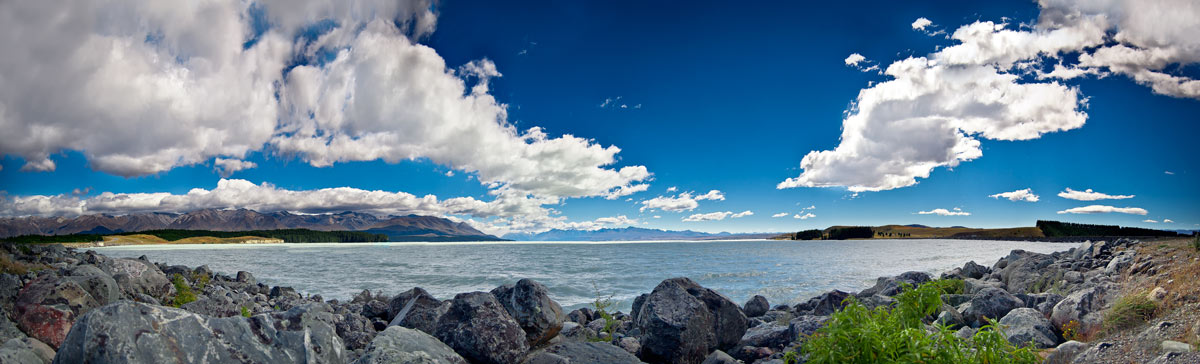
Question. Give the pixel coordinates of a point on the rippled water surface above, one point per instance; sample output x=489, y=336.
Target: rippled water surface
x=783, y=271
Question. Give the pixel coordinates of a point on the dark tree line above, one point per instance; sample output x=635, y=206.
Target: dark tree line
x=850, y=232
x=1060, y=229
x=813, y=234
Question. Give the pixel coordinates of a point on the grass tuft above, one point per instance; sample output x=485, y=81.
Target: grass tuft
x=1129, y=311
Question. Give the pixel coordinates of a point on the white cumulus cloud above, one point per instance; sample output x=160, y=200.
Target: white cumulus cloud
x=936, y=110
x=854, y=59
x=684, y=201
x=226, y=167
x=945, y=212
x=921, y=23
x=1101, y=209
x=1089, y=195
x=743, y=214
x=140, y=88
x=781, y=214
x=804, y=216
x=1026, y=195
x=1150, y=221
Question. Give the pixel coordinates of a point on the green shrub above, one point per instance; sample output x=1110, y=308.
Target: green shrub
x=183, y=292
x=897, y=335
x=1129, y=311
x=245, y=312
x=952, y=286
x=601, y=305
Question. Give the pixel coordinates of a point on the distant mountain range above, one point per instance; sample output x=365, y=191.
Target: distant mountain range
x=629, y=233
x=397, y=228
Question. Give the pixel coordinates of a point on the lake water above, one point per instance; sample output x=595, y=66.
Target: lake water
x=783, y=271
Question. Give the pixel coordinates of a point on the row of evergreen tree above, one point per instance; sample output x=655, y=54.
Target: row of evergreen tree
x=1060, y=229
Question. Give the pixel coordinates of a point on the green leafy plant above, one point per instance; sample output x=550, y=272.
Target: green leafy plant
x=245, y=312
x=898, y=334
x=952, y=286
x=1129, y=311
x=200, y=279
x=791, y=357
x=601, y=305
x=183, y=292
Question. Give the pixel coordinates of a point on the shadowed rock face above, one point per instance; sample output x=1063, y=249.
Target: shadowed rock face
x=479, y=329
x=529, y=303
x=128, y=332
x=681, y=322
x=990, y=303
x=415, y=309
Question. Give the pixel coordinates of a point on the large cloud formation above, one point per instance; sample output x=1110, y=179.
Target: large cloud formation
x=141, y=87
x=935, y=110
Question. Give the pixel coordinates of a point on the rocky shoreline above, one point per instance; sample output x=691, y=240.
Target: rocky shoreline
x=63, y=305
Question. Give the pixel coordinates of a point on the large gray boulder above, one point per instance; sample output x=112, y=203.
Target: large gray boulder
x=719, y=357
x=529, y=303
x=1083, y=306
x=96, y=282
x=129, y=332
x=404, y=345
x=1119, y=263
x=681, y=322
x=575, y=352
x=135, y=276
x=415, y=309
x=480, y=329
x=1023, y=325
x=990, y=303
x=756, y=306
x=1027, y=271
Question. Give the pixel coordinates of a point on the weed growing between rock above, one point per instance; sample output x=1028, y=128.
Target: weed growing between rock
x=183, y=292
x=857, y=334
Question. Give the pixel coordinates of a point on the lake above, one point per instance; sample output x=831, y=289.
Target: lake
x=577, y=272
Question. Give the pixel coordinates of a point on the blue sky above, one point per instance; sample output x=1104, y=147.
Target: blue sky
x=711, y=96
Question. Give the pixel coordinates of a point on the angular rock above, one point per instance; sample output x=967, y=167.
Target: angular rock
x=972, y=286
x=719, y=357
x=805, y=325
x=587, y=352
x=1083, y=306
x=891, y=286
x=479, y=329
x=1025, y=271
x=1119, y=263
x=1023, y=325
x=1170, y=346
x=1066, y=352
x=404, y=345
x=356, y=331
x=974, y=270
x=771, y=334
x=990, y=303
x=125, y=332
x=681, y=322
x=825, y=304
x=135, y=276
x=529, y=303
x=756, y=306
x=415, y=309
x=216, y=306
x=25, y=350
x=283, y=292
x=579, y=316
x=631, y=345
